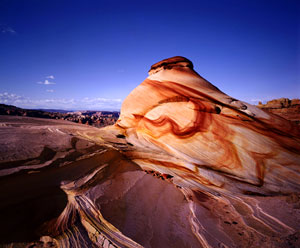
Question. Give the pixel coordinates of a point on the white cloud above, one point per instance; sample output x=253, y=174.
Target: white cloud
x=61, y=103
x=7, y=30
x=262, y=99
x=50, y=91
x=50, y=77
x=46, y=82
x=7, y=97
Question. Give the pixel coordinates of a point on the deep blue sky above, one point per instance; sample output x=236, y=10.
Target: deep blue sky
x=98, y=51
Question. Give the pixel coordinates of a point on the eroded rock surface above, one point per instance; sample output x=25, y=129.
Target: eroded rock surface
x=207, y=138
x=185, y=166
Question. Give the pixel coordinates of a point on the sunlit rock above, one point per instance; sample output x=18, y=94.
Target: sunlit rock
x=206, y=137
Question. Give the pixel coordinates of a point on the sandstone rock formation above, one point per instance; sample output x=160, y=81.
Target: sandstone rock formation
x=184, y=166
x=284, y=107
x=208, y=138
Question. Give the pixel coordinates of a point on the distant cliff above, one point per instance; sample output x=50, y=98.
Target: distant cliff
x=93, y=118
x=284, y=107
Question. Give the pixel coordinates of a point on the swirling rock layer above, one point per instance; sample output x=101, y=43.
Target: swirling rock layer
x=185, y=166
x=208, y=138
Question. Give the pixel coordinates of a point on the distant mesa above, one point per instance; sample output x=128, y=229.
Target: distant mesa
x=280, y=103
x=284, y=107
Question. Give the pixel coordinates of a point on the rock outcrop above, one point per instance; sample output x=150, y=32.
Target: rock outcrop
x=184, y=166
x=207, y=138
x=284, y=107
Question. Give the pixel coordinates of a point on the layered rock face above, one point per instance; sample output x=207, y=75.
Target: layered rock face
x=208, y=138
x=284, y=107
x=184, y=166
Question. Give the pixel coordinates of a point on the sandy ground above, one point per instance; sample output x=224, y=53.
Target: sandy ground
x=70, y=185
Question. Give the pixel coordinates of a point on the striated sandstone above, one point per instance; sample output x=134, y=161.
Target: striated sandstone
x=207, y=138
